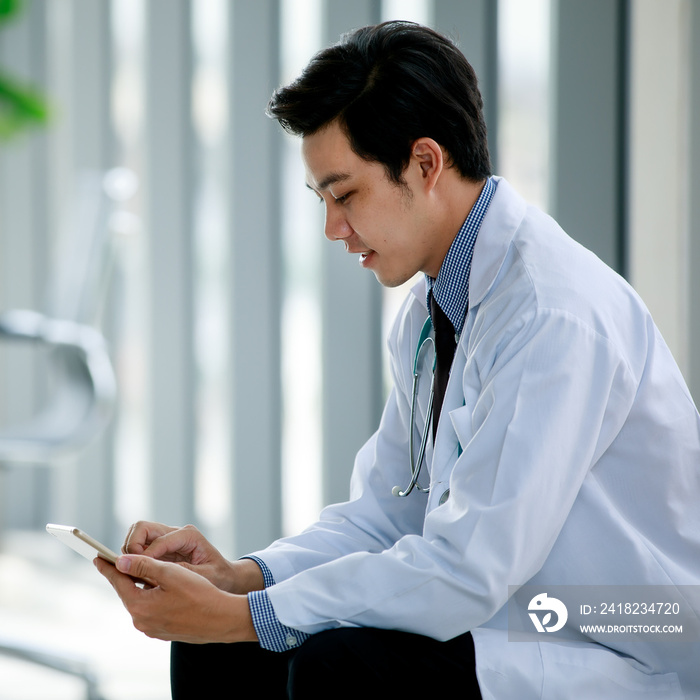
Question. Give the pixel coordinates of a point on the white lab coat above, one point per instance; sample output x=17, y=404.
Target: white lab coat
x=571, y=448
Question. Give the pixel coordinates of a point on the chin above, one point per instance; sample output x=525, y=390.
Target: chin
x=391, y=282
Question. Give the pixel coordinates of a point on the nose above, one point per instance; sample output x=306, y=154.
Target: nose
x=337, y=228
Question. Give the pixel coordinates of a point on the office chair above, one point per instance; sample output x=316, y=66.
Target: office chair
x=83, y=388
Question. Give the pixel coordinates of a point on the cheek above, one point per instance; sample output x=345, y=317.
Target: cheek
x=382, y=220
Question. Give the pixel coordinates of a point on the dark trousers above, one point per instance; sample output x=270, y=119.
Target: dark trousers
x=342, y=663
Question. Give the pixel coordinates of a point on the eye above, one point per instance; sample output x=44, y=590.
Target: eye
x=343, y=198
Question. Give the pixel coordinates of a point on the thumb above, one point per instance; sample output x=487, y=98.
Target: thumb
x=142, y=567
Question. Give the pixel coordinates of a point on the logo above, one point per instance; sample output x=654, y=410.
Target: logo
x=544, y=604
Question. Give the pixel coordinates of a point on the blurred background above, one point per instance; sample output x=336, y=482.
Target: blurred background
x=179, y=342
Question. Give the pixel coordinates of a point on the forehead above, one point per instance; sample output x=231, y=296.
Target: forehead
x=329, y=159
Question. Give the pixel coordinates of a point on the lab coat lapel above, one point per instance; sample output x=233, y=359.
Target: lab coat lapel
x=502, y=219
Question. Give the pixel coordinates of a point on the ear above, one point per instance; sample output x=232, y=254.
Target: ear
x=430, y=158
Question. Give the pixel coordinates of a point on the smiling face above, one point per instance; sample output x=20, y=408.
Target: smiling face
x=391, y=227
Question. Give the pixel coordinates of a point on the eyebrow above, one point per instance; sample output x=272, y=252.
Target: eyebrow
x=329, y=180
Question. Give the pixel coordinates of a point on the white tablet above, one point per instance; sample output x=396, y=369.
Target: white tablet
x=83, y=544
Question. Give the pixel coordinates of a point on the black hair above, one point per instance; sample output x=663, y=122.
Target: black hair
x=388, y=85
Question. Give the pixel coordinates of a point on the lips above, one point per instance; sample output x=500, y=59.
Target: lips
x=364, y=253
x=365, y=257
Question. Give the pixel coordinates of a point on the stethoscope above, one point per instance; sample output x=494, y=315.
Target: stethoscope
x=424, y=340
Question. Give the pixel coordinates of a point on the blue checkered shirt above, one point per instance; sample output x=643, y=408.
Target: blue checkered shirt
x=451, y=290
x=272, y=634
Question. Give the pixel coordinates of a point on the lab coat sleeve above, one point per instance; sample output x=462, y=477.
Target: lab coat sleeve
x=552, y=394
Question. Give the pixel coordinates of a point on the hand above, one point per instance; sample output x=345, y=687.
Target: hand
x=142, y=534
x=189, y=548
x=178, y=605
x=180, y=544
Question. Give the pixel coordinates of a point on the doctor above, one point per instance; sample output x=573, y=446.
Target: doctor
x=561, y=446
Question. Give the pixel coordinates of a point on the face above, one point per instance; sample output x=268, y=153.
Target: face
x=386, y=225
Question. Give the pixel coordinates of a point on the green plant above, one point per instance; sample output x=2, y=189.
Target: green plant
x=21, y=105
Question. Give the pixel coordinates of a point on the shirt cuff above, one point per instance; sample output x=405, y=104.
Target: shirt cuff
x=268, y=578
x=272, y=634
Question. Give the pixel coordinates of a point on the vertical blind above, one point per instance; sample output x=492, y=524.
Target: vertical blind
x=248, y=350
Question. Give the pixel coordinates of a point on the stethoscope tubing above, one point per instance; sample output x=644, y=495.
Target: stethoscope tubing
x=417, y=463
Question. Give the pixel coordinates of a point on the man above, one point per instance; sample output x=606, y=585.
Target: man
x=563, y=450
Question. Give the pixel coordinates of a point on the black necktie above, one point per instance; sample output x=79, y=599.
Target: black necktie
x=445, y=345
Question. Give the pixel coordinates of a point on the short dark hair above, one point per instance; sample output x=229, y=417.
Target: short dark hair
x=390, y=84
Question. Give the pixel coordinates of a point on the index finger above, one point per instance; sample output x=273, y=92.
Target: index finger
x=179, y=544
x=120, y=582
x=141, y=534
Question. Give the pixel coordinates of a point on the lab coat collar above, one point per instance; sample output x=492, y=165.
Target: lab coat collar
x=506, y=211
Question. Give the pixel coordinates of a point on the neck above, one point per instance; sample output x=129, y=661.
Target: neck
x=453, y=202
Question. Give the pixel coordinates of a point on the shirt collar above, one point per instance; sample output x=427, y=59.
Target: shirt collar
x=451, y=287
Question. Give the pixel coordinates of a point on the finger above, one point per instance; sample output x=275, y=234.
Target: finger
x=142, y=568
x=127, y=539
x=174, y=545
x=141, y=534
x=119, y=581
x=130, y=543
x=122, y=582
x=103, y=566
x=138, y=536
